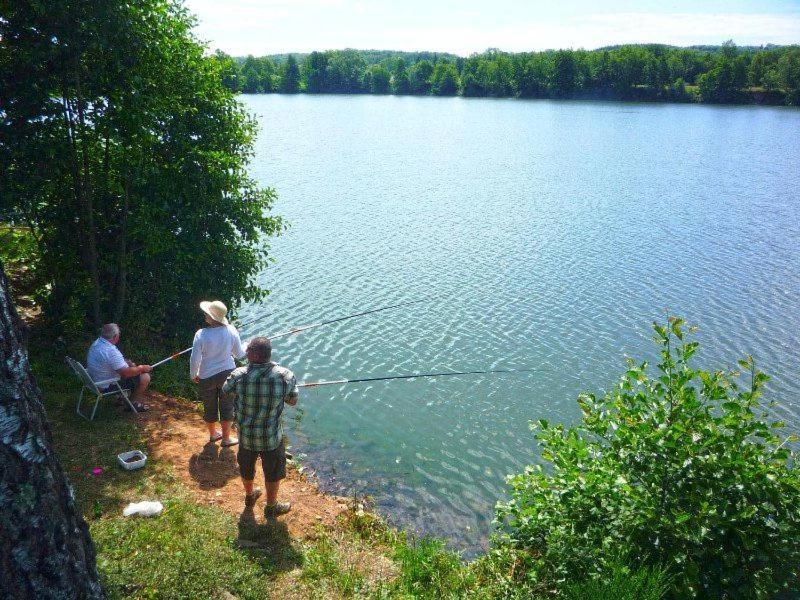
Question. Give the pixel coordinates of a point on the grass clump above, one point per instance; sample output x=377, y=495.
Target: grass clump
x=622, y=583
x=429, y=570
x=328, y=570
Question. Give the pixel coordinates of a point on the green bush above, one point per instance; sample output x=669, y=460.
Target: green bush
x=684, y=468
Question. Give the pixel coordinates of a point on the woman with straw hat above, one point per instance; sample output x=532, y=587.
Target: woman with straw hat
x=213, y=351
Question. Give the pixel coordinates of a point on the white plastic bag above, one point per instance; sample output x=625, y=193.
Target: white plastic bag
x=145, y=508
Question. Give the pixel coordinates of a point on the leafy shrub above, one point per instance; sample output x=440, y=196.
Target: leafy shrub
x=685, y=469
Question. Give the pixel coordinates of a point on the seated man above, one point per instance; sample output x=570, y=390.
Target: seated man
x=260, y=390
x=105, y=362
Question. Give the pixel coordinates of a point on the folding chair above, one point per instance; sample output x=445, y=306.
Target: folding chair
x=95, y=388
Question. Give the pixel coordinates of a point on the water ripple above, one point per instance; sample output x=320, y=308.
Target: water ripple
x=544, y=234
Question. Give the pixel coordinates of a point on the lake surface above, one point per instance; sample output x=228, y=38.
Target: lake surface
x=543, y=234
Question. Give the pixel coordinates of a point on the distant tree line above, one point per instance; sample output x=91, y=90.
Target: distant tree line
x=718, y=74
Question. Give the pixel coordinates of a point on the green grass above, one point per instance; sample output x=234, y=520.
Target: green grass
x=189, y=551
x=624, y=584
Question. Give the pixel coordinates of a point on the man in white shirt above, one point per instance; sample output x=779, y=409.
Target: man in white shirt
x=104, y=362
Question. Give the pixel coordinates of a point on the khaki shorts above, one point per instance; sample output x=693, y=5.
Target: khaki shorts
x=272, y=461
x=216, y=405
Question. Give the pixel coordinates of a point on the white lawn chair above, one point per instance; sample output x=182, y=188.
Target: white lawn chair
x=95, y=388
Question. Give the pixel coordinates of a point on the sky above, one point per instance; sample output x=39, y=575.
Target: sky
x=259, y=27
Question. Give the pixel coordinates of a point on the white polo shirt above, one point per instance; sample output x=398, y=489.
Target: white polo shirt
x=213, y=351
x=103, y=360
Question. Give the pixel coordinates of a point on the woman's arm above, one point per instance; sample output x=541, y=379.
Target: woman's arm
x=196, y=357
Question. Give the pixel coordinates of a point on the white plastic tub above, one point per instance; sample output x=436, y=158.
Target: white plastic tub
x=125, y=461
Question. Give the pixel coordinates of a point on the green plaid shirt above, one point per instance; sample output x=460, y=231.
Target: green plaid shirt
x=260, y=391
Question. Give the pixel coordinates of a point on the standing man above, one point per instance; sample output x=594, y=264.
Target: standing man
x=260, y=390
x=104, y=362
x=213, y=351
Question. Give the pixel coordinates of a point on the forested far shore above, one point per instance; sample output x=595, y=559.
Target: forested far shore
x=652, y=72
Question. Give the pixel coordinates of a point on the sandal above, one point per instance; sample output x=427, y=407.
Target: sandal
x=250, y=499
x=230, y=442
x=277, y=509
x=138, y=406
x=216, y=437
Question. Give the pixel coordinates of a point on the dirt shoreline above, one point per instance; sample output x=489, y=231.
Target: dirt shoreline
x=176, y=434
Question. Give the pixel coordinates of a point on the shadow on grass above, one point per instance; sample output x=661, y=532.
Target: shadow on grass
x=268, y=540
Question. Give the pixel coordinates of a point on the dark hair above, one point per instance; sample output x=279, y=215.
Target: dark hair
x=259, y=349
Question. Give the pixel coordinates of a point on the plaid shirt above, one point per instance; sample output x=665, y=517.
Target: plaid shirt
x=260, y=391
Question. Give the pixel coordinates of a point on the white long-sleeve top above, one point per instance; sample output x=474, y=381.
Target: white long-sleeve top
x=213, y=351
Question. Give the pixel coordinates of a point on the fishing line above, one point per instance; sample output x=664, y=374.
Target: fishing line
x=312, y=384
x=301, y=328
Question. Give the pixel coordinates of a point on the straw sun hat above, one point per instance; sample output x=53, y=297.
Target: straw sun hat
x=216, y=310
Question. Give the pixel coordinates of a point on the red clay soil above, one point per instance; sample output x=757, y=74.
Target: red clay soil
x=176, y=434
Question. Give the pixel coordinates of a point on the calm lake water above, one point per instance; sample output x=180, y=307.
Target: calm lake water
x=546, y=235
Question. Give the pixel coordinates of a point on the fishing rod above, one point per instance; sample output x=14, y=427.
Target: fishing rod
x=299, y=329
x=360, y=314
x=311, y=384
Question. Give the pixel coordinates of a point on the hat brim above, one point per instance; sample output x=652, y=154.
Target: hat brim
x=205, y=305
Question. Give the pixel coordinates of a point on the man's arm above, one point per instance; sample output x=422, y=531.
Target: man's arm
x=293, y=396
x=125, y=368
x=230, y=383
x=133, y=371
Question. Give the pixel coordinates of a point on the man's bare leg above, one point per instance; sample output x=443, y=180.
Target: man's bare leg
x=272, y=491
x=250, y=494
x=212, y=429
x=144, y=381
x=273, y=507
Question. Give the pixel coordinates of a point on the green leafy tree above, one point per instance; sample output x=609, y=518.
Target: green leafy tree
x=400, y=81
x=685, y=469
x=444, y=79
x=290, y=76
x=379, y=79
x=345, y=72
x=760, y=64
x=420, y=76
x=724, y=82
x=787, y=72
x=229, y=71
x=315, y=72
x=126, y=155
x=565, y=74
x=677, y=91
x=534, y=71
x=257, y=75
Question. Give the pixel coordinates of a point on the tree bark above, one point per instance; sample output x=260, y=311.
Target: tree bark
x=87, y=202
x=122, y=254
x=45, y=547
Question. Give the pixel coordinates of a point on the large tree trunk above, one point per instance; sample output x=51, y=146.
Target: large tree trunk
x=45, y=548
